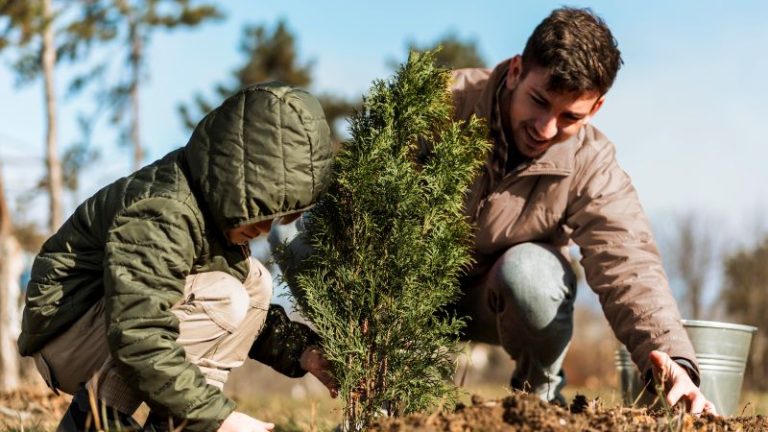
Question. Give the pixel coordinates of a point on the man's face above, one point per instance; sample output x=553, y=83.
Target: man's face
x=539, y=118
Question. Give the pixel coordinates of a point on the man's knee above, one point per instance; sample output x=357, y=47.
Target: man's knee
x=538, y=283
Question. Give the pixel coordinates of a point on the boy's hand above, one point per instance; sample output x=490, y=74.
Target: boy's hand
x=679, y=385
x=312, y=361
x=239, y=422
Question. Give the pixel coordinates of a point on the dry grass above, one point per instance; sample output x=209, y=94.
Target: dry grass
x=311, y=414
x=753, y=403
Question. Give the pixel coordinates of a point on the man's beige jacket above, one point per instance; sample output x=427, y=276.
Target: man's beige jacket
x=576, y=191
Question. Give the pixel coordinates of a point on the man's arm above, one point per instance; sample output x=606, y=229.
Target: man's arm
x=623, y=266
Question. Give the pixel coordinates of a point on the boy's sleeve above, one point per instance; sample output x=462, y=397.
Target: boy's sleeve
x=282, y=342
x=149, y=252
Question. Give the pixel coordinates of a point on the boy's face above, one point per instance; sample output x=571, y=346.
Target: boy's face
x=539, y=118
x=245, y=233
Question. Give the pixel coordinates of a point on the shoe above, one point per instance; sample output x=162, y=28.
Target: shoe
x=79, y=416
x=517, y=383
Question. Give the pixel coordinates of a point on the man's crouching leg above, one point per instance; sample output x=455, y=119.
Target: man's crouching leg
x=527, y=299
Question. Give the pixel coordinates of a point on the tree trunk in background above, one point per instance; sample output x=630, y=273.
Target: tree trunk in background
x=11, y=266
x=693, y=257
x=138, y=153
x=52, y=158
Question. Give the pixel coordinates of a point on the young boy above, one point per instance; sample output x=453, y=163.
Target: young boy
x=148, y=292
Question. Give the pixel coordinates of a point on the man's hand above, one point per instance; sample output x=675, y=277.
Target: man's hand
x=312, y=361
x=679, y=386
x=239, y=422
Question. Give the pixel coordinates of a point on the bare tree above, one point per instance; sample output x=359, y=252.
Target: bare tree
x=132, y=23
x=40, y=34
x=694, y=254
x=691, y=255
x=10, y=320
x=52, y=158
x=30, y=28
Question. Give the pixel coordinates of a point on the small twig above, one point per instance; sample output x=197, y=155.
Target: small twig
x=468, y=355
x=181, y=426
x=10, y=412
x=92, y=395
x=313, y=417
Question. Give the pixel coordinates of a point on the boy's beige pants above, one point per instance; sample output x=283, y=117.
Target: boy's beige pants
x=219, y=318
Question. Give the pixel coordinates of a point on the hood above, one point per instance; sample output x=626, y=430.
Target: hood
x=263, y=153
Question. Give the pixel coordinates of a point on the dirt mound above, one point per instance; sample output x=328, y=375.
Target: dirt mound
x=523, y=412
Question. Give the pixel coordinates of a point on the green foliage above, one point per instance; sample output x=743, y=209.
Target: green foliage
x=389, y=242
x=269, y=55
x=22, y=27
x=77, y=26
x=453, y=52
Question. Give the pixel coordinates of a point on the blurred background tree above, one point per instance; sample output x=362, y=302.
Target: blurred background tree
x=745, y=293
x=40, y=34
x=692, y=255
x=455, y=53
x=270, y=54
x=131, y=24
x=37, y=36
x=11, y=266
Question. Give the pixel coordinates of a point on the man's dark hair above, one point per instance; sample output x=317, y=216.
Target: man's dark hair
x=578, y=50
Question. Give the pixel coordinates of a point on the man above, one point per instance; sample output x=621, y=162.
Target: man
x=552, y=178
x=148, y=292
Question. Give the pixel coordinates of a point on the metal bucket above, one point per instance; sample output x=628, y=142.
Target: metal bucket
x=721, y=350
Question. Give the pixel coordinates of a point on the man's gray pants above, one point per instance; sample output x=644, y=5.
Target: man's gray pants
x=523, y=303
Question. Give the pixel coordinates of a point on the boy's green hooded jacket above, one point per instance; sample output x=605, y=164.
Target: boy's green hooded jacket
x=263, y=153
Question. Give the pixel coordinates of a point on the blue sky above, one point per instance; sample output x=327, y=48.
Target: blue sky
x=685, y=113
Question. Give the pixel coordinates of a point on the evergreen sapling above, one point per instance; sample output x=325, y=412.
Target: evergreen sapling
x=389, y=241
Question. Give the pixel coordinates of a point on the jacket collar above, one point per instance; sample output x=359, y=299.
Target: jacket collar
x=558, y=160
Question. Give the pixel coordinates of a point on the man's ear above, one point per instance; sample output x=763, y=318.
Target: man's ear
x=595, y=108
x=514, y=72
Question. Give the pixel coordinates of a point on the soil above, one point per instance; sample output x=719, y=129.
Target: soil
x=524, y=412
x=39, y=410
